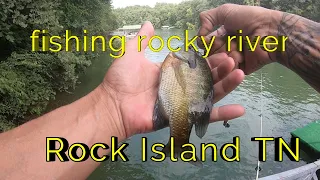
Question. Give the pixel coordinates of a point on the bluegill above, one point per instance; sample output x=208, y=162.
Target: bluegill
x=185, y=98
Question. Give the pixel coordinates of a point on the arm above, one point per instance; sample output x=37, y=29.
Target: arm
x=302, y=53
x=23, y=150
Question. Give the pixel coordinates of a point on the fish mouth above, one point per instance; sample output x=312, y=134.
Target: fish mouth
x=189, y=57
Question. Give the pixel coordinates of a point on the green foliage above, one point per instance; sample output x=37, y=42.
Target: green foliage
x=94, y=15
x=5, y=125
x=29, y=80
x=186, y=14
x=306, y=8
x=20, y=17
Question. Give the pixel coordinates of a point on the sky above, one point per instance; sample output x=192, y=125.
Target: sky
x=124, y=3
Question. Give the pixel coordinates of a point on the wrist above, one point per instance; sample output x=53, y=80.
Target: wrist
x=106, y=112
x=275, y=24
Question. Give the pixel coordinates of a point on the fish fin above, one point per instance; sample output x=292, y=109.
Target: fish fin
x=160, y=119
x=165, y=150
x=201, y=119
x=197, y=163
x=201, y=125
x=177, y=153
x=180, y=77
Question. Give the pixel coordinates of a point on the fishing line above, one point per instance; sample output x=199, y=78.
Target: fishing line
x=258, y=169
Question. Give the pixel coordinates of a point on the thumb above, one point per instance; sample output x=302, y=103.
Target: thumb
x=215, y=17
x=144, y=35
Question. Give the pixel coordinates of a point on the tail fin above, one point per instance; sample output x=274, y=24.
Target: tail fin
x=197, y=163
x=166, y=150
x=177, y=153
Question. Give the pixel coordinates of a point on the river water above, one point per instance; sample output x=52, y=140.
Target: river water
x=288, y=103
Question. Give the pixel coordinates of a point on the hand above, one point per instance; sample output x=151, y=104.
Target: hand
x=133, y=82
x=253, y=21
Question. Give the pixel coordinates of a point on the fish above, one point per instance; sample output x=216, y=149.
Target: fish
x=185, y=99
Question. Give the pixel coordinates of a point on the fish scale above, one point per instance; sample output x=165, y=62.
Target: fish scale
x=175, y=101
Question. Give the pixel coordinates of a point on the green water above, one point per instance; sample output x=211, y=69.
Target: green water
x=288, y=103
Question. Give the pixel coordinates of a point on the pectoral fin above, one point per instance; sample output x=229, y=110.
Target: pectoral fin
x=201, y=128
x=202, y=119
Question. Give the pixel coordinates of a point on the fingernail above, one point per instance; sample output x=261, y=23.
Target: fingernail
x=215, y=33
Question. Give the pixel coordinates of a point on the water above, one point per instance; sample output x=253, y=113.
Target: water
x=288, y=103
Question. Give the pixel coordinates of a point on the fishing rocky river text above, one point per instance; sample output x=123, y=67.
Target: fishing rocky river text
x=57, y=43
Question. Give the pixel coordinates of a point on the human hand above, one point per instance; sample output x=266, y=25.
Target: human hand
x=253, y=21
x=132, y=81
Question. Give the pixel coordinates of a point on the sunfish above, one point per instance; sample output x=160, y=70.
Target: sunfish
x=185, y=98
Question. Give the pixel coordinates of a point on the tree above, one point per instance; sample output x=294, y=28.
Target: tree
x=29, y=80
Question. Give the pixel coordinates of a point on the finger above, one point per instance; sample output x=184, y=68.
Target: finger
x=220, y=39
x=228, y=84
x=219, y=32
x=140, y=42
x=216, y=59
x=209, y=19
x=214, y=17
x=227, y=45
x=217, y=35
x=225, y=113
x=237, y=57
x=223, y=70
x=255, y=56
x=224, y=45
